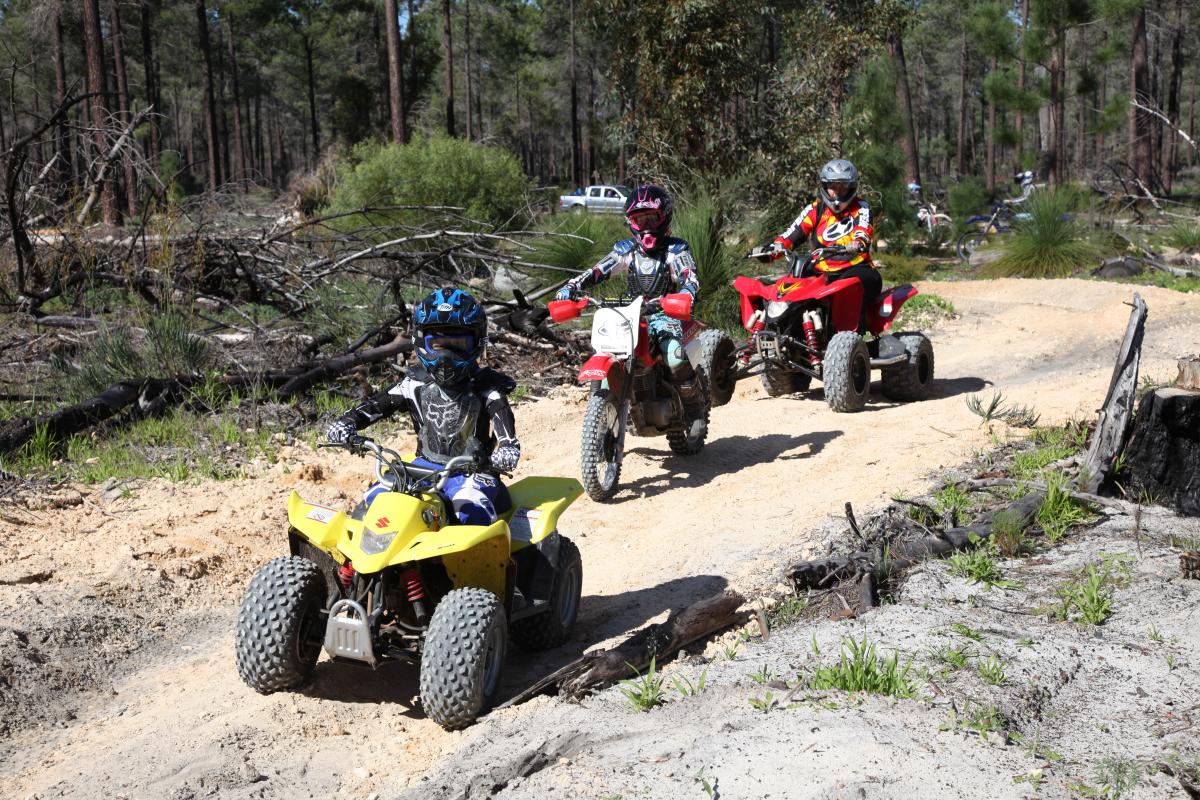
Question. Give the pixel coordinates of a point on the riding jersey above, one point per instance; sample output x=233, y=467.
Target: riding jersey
x=826, y=228
x=671, y=267
x=449, y=421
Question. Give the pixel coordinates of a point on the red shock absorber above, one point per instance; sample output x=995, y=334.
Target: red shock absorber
x=345, y=574
x=414, y=590
x=810, y=338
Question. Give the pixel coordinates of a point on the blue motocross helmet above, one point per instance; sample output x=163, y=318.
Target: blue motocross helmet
x=449, y=334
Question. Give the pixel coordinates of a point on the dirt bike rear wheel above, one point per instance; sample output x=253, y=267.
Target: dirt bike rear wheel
x=913, y=379
x=847, y=375
x=551, y=628
x=717, y=354
x=778, y=382
x=280, y=630
x=690, y=440
x=463, y=657
x=599, y=462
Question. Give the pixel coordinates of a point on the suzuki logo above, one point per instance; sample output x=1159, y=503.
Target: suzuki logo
x=382, y=522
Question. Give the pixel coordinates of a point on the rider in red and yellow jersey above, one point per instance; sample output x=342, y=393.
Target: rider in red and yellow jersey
x=838, y=218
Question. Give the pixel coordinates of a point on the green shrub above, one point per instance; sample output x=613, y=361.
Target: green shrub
x=1185, y=236
x=965, y=198
x=486, y=181
x=924, y=311
x=1050, y=243
x=701, y=223
x=897, y=269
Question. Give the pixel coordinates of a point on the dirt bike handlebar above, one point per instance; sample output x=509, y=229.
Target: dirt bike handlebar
x=677, y=305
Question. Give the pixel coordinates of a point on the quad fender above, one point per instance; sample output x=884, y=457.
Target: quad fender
x=473, y=555
x=845, y=302
x=537, y=503
x=752, y=294
x=392, y=526
x=323, y=527
x=883, y=311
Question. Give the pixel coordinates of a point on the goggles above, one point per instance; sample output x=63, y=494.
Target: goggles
x=837, y=188
x=462, y=344
x=646, y=220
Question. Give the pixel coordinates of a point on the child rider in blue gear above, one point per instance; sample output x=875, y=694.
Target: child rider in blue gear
x=657, y=264
x=457, y=407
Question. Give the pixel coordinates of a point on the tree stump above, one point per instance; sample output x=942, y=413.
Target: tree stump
x=1189, y=373
x=1163, y=455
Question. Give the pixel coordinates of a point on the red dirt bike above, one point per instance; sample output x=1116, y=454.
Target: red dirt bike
x=804, y=328
x=631, y=385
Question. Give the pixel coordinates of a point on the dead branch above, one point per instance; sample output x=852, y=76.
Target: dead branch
x=600, y=668
x=96, y=181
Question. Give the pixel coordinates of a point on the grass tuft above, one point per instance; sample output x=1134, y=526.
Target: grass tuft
x=860, y=669
x=1185, y=236
x=645, y=691
x=1050, y=243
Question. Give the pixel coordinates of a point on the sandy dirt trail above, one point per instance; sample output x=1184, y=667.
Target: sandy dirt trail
x=154, y=707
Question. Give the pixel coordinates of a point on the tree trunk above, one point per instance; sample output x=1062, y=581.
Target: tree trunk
x=239, y=138
x=1019, y=154
x=1170, y=137
x=114, y=24
x=62, y=138
x=908, y=141
x=309, y=49
x=467, y=77
x=991, y=139
x=412, y=48
x=94, y=42
x=151, y=82
x=448, y=65
x=210, y=103
x=395, y=72
x=1058, y=71
x=960, y=159
x=576, y=177
x=1139, y=121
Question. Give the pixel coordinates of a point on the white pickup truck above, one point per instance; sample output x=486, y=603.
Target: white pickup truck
x=595, y=198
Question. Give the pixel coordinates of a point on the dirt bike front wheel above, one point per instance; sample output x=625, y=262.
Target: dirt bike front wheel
x=970, y=242
x=601, y=445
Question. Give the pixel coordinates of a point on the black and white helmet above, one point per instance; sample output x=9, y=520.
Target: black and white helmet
x=839, y=183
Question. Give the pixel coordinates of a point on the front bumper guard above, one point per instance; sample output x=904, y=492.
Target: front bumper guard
x=348, y=633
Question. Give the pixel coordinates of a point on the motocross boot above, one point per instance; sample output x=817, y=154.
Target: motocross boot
x=691, y=391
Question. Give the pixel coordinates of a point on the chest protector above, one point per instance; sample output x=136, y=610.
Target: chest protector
x=449, y=422
x=649, y=275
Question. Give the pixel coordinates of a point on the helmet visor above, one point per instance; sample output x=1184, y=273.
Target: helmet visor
x=461, y=344
x=838, y=190
x=646, y=219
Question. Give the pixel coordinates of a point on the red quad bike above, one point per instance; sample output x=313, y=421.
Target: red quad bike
x=803, y=328
x=631, y=385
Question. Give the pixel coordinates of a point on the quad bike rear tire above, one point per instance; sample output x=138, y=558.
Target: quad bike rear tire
x=280, y=629
x=463, y=657
x=551, y=628
x=913, y=379
x=717, y=355
x=689, y=440
x=847, y=372
x=778, y=382
x=599, y=464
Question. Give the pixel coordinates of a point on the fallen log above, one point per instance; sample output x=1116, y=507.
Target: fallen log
x=828, y=572
x=61, y=425
x=600, y=668
x=338, y=364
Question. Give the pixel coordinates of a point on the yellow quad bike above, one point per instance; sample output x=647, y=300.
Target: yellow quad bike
x=395, y=580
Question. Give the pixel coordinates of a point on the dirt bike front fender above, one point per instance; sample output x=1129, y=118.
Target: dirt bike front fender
x=603, y=367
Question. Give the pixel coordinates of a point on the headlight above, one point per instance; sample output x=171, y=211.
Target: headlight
x=775, y=308
x=375, y=543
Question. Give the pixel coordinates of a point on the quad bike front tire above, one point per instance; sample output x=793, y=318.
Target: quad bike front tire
x=778, y=382
x=599, y=464
x=847, y=372
x=463, y=657
x=913, y=379
x=552, y=627
x=689, y=440
x=280, y=629
x=717, y=354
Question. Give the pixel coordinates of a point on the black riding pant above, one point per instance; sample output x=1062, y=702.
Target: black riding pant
x=872, y=283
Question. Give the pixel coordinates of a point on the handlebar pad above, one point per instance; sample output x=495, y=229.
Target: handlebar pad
x=565, y=310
